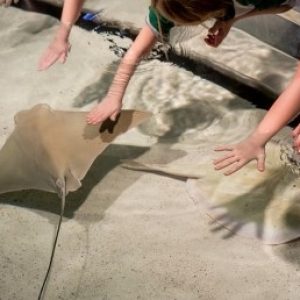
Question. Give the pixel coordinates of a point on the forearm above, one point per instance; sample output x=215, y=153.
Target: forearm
x=71, y=11
x=70, y=14
x=140, y=47
x=285, y=108
x=257, y=12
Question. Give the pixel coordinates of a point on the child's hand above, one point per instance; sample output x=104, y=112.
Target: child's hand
x=296, y=137
x=239, y=155
x=218, y=32
x=109, y=107
x=56, y=51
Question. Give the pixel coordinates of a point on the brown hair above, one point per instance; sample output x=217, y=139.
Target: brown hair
x=192, y=11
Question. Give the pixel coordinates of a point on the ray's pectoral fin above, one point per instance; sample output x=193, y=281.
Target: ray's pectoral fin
x=53, y=150
x=126, y=120
x=49, y=145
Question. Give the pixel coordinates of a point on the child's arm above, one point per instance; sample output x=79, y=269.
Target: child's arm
x=284, y=109
x=110, y=106
x=59, y=47
x=218, y=32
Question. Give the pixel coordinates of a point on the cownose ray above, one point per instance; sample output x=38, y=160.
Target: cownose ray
x=52, y=151
x=262, y=205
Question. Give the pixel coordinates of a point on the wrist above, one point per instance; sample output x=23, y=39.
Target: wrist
x=114, y=96
x=63, y=31
x=259, y=138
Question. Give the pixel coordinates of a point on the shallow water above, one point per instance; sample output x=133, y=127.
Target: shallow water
x=249, y=72
x=259, y=86
x=128, y=235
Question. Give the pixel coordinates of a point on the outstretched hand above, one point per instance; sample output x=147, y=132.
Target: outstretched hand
x=57, y=51
x=108, y=108
x=218, y=32
x=239, y=155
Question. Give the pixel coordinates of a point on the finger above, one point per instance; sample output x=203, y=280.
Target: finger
x=261, y=163
x=88, y=116
x=91, y=121
x=62, y=59
x=47, y=61
x=235, y=167
x=224, y=148
x=297, y=143
x=209, y=43
x=96, y=118
x=91, y=116
x=227, y=162
x=218, y=40
x=95, y=121
x=210, y=40
x=296, y=131
x=113, y=117
x=214, y=28
x=218, y=160
x=210, y=36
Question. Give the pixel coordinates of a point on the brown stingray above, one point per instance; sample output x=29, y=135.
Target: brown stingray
x=53, y=150
x=262, y=205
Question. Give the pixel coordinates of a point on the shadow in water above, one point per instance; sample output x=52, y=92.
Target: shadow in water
x=40, y=7
x=290, y=252
x=187, y=117
x=250, y=207
x=98, y=89
x=245, y=87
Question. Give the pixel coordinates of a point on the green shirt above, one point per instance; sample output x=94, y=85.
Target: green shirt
x=152, y=21
x=239, y=7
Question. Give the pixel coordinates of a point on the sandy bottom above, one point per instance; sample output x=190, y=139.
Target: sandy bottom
x=130, y=235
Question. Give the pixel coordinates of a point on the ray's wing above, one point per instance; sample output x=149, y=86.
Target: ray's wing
x=49, y=146
x=249, y=203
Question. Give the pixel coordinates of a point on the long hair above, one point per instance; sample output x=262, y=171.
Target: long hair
x=192, y=11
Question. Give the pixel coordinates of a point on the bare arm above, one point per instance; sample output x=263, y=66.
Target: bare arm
x=111, y=105
x=59, y=47
x=70, y=14
x=286, y=107
x=140, y=47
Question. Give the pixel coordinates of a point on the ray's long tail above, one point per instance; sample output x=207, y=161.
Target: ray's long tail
x=46, y=278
